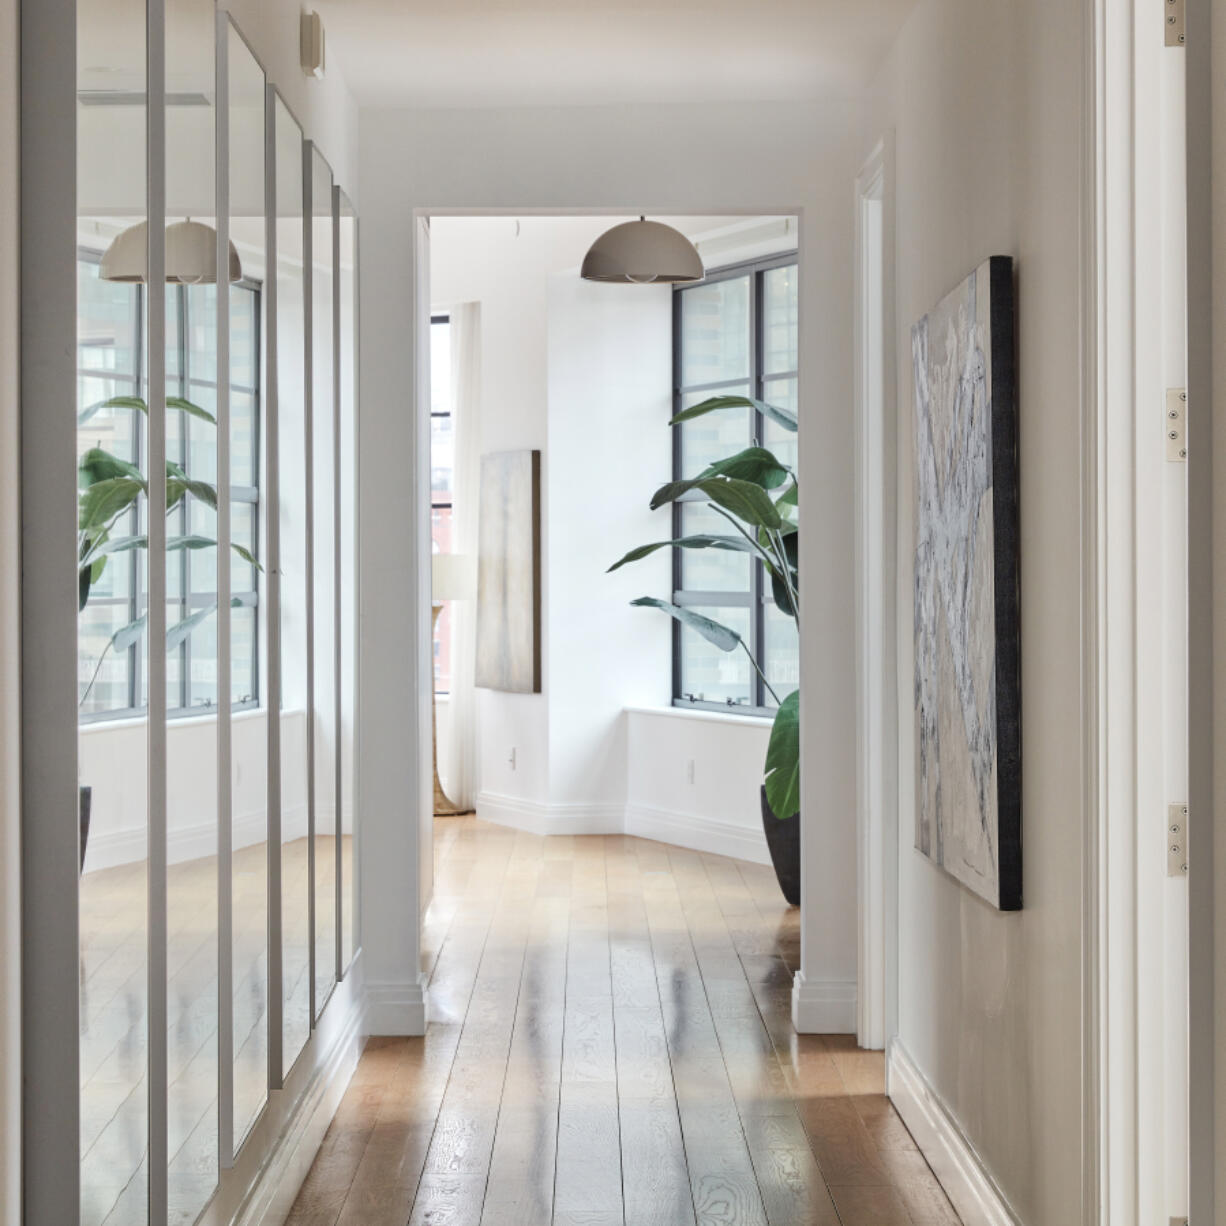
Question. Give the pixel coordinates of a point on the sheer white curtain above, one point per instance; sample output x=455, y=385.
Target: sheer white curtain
x=457, y=762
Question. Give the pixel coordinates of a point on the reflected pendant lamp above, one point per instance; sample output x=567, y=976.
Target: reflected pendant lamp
x=643, y=253
x=191, y=255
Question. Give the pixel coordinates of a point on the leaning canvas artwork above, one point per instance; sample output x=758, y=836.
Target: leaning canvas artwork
x=967, y=650
x=509, y=572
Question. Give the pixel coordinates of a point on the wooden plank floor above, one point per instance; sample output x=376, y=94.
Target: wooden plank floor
x=610, y=1043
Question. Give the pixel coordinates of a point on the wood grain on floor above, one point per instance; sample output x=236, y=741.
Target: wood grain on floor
x=611, y=1045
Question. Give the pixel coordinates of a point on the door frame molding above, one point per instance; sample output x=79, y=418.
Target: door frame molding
x=876, y=545
x=1206, y=624
x=1124, y=829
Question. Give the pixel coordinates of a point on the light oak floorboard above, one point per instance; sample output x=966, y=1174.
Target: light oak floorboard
x=611, y=1045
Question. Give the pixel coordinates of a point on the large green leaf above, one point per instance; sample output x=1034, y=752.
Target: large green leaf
x=125, y=636
x=783, y=759
x=780, y=416
x=747, y=501
x=754, y=464
x=106, y=499
x=99, y=465
x=719, y=636
x=177, y=487
x=701, y=540
x=124, y=544
x=138, y=405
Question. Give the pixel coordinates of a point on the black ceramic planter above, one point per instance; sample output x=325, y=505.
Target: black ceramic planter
x=83, y=815
x=783, y=839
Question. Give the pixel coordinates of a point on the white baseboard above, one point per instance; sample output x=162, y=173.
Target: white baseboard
x=698, y=833
x=962, y=1173
x=536, y=818
x=109, y=849
x=823, y=1006
x=690, y=830
x=397, y=1008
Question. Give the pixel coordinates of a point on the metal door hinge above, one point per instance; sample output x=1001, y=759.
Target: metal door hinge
x=1177, y=840
x=1176, y=424
x=1174, y=20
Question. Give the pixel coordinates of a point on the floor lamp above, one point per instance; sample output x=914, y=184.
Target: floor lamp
x=452, y=577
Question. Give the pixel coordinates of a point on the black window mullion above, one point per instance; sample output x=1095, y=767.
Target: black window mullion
x=756, y=423
x=137, y=579
x=184, y=512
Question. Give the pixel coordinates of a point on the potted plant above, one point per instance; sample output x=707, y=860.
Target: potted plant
x=108, y=489
x=757, y=494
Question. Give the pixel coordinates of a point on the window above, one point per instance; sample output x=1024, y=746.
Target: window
x=110, y=363
x=734, y=333
x=442, y=479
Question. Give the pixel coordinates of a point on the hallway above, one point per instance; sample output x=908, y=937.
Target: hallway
x=610, y=1041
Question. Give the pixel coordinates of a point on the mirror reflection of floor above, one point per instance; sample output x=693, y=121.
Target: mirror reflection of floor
x=113, y=1020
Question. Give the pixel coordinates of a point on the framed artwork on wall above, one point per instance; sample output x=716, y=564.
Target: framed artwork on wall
x=509, y=573
x=966, y=610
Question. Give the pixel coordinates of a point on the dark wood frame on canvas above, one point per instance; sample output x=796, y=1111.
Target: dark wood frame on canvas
x=1007, y=561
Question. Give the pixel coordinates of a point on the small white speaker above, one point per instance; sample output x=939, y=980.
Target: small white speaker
x=312, y=45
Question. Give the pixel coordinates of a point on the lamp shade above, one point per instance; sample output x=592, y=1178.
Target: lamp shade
x=453, y=576
x=191, y=255
x=642, y=253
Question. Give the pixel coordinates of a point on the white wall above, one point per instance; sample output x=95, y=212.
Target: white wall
x=985, y=100
x=112, y=756
x=694, y=778
x=581, y=372
x=10, y=640
x=610, y=447
x=760, y=159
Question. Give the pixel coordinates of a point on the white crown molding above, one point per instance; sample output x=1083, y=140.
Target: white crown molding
x=961, y=1172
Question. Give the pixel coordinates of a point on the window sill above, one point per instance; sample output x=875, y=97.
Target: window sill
x=175, y=721
x=712, y=717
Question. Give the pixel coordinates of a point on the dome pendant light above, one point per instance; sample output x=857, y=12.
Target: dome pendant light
x=643, y=253
x=191, y=255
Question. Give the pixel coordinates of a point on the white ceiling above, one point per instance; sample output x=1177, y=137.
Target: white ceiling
x=490, y=53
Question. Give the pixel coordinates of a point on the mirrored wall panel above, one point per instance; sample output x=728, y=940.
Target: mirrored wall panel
x=112, y=648
x=347, y=543
x=326, y=641
x=248, y=729
x=192, y=615
x=217, y=646
x=291, y=511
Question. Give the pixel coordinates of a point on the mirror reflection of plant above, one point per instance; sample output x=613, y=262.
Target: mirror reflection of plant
x=108, y=490
x=758, y=495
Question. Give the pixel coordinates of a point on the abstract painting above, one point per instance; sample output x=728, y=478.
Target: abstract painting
x=967, y=651
x=509, y=573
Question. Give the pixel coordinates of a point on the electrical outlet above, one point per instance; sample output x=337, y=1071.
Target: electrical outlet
x=689, y=771
x=511, y=757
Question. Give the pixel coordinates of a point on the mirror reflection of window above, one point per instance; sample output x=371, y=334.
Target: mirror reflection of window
x=247, y=610
x=292, y=528
x=325, y=640
x=347, y=268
